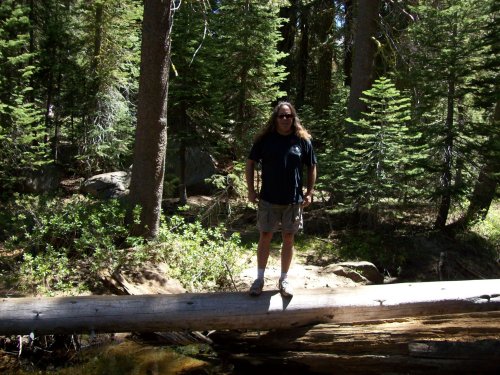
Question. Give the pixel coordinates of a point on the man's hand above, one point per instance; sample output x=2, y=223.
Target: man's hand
x=307, y=200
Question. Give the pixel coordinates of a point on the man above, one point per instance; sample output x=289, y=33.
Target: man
x=282, y=148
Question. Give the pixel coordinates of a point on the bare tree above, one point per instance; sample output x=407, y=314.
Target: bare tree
x=146, y=187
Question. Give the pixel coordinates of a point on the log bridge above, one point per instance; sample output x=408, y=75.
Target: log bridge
x=237, y=310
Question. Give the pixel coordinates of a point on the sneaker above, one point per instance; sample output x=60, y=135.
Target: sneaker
x=256, y=288
x=285, y=288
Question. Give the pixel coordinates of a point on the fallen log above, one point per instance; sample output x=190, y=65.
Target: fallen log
x=216, y=311
x=446, y=344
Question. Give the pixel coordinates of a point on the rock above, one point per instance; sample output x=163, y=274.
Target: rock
x=357, y=271
x=148, y=279
x=108, y=185
x=345, y=272
x=200, y=165
x=46, y=179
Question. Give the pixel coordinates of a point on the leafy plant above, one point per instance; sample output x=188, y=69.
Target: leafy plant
x=66, y=243
x=489, y=229
x=373, y=247
x=199, y=257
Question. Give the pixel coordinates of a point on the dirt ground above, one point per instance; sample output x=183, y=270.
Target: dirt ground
x=301, y=276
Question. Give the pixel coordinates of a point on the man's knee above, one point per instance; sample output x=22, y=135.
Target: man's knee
x=288, y=237
x=266, y=235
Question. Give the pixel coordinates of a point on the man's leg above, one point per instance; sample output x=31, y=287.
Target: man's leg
x=263, y=249
x=287, y=251
x=286, y=261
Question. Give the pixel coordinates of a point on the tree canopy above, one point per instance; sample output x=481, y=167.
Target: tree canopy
x=420, y=87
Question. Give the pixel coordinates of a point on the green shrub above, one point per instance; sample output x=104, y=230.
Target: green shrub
x=65, y=243
x=199, y=257
x=373, y=247
x=489, y=228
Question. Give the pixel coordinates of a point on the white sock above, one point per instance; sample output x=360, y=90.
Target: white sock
x=260, y=273
x=284, y=275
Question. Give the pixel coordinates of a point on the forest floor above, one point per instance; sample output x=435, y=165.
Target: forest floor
x=406, y=253
x=404, y=249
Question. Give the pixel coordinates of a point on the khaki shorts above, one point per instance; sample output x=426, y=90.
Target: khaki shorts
x=275, y=217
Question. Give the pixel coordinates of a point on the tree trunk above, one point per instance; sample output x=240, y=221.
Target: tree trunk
x=446, y=182
x=208, y=311
x=146, y=187
x=486, y=185
x=459, y=169
x=303, y=57
x=31, y=3
x=325, y=11
x=446, y=344
x=98, y=35
x=182, y=172
x=348, y=42
x=288, y=34
x=363, y=57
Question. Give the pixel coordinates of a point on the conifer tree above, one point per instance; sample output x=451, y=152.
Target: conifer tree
x=386, y=153
x=486, y=93
x=245, y=70
x=187, y=110
x=22, y=133
x=110, y=51
x=146, y=186
x=443, y=60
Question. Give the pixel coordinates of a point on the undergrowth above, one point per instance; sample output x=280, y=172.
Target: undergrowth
x=59, y=245
x=63, y=245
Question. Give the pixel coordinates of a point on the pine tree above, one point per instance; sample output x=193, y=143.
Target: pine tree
x=189, y=79
x=146, y=186
x=22, y=133
x=245, y=71
x=443, y=60
x=365, y=48
x=486, y=93
x=386, y=153
x=109, y=39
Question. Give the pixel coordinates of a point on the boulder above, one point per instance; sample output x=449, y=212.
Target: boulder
x=345, y=272
x=149, y=278
x=46, y=179
x=108, y=185
x=200, y=165
x=363, y=271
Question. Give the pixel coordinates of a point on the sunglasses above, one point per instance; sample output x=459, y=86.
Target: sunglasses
x=286, y=115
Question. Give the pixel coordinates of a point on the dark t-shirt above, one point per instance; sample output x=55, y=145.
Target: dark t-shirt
x=282, y=158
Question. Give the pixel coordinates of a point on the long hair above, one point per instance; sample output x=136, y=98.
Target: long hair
x=270, y=126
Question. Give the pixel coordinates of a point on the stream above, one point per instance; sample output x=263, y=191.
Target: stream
x=114, y=355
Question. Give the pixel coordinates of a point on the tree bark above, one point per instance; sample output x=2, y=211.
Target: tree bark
x=486, y=185
x=146, y=187
x=363, y=57
x=325, y=14
x=208, y=311
x=348, y=6
x=288, y=34
x=446, y=183
x=446, y=344
x=303, y=57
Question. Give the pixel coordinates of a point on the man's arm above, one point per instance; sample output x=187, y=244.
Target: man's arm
x=250, y=174
x=311, y=180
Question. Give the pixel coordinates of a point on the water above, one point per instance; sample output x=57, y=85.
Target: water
x=118, y=358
